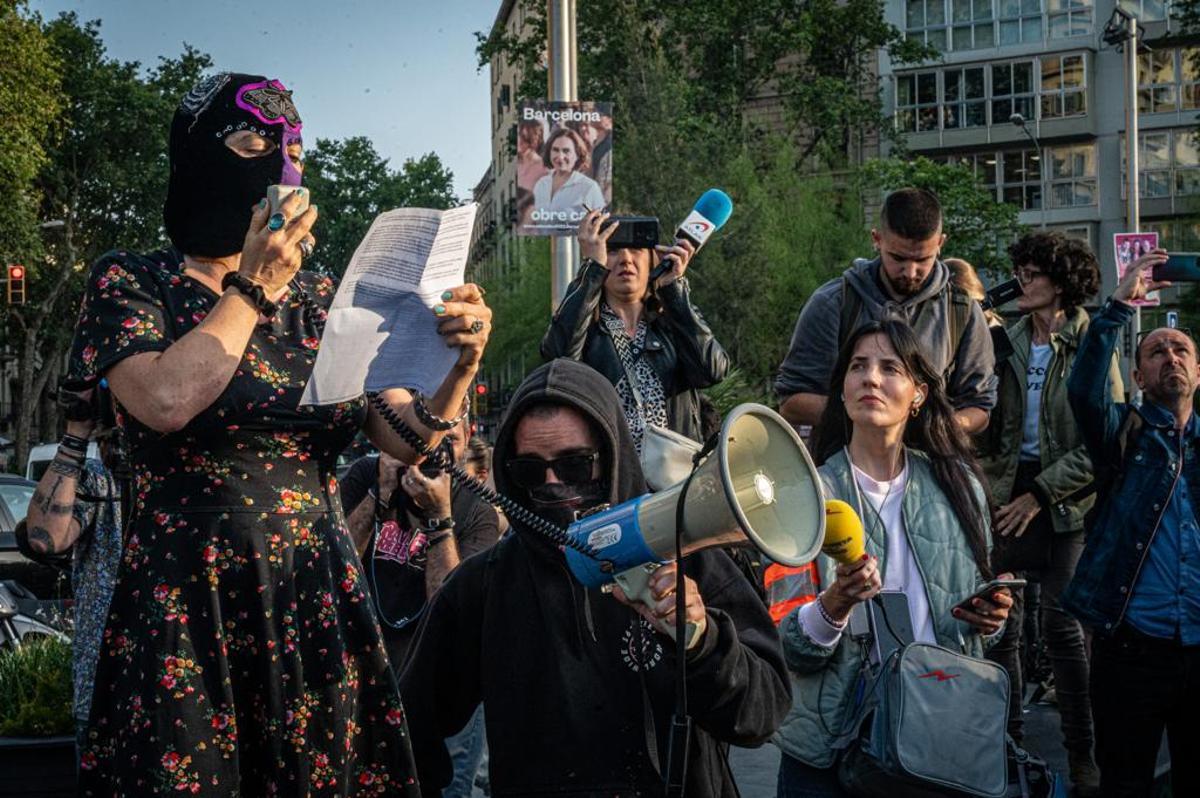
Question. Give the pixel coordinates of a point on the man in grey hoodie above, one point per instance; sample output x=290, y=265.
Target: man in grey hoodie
x=908, y=280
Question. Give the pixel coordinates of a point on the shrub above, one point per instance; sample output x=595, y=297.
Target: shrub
x=36, y=689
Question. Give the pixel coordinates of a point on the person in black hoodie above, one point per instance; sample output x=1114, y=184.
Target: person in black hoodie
x=577, y=687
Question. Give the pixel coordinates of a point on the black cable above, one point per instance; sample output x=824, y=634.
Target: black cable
x=461, y=478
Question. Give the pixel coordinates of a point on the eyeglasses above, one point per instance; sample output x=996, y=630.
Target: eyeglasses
x=1027, y=274
x=530, y=472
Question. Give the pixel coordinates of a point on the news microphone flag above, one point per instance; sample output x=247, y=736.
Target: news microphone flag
x=709, y=214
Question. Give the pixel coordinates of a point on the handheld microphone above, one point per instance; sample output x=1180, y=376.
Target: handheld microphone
x=709, y=214
x=843, y=533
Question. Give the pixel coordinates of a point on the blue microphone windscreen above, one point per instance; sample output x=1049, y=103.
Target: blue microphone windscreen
x=716, y=206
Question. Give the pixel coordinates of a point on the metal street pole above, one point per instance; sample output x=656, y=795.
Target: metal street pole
x=564, y=86
x=1132, y=200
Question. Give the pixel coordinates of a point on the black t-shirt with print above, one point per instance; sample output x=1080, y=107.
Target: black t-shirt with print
x=394, y=559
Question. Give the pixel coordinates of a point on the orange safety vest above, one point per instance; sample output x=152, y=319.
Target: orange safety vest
x=789, y=588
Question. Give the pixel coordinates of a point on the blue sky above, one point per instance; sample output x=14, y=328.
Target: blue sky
x=401, y=72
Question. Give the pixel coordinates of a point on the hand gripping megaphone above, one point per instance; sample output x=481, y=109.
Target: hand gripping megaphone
x=758, y=486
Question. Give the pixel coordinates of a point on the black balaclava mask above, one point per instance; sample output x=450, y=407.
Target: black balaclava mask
x=212, y=189
x=559, y=502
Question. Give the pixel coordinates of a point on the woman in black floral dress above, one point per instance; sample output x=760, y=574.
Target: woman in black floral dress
x=240, y=656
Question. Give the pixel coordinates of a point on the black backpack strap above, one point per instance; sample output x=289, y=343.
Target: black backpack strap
x=851, y=308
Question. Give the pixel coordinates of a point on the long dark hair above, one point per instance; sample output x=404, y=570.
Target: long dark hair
x=934, y=431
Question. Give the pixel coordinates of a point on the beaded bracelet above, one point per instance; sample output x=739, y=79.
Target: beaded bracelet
x=437, y=423
x=825, y=616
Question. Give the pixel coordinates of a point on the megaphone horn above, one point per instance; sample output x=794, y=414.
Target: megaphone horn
x=759, y=486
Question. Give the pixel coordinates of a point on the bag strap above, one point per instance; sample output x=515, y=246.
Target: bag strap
x=850, y=310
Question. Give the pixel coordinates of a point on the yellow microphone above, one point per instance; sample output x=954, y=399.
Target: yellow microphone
x=843, y=533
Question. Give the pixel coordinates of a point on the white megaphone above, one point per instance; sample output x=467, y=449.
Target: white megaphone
x=759, y=486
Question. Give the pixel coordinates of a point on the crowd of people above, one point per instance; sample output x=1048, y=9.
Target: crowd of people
x=246, y=626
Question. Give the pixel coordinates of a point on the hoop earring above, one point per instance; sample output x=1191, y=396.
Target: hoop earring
x=916, y=408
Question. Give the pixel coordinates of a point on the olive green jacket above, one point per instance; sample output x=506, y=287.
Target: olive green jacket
x=1066, y=465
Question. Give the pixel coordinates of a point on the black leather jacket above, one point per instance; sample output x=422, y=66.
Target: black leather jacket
x=680, y=347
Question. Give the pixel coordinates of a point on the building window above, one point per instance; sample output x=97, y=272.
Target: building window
x=1189, y=78
x=1078, y=232
x=965, y=98
x=917, y=102
x=1012, y=91
x=1176, y=235
x=1146, y=10
x=1156, y=82
x=925, y=20
x=1068, y=18
x=1072, y=175
x=1168, y=164
x=1020, y=21
x=972, y=24
x=1186, y=153
x=1064, y=86
x=1022, y=185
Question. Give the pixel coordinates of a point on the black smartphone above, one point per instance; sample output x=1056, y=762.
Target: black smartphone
x=987, y=590
x=1181, y=267
x=634, y=232
x=1002, y=294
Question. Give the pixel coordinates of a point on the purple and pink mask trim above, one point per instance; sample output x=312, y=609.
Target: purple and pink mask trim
x=271, y=103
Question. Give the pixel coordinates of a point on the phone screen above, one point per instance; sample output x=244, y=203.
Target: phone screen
x=1181, y=267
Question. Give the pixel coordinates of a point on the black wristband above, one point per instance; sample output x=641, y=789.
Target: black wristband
x=437, y=524
x=252, y=290
x=440, y=538
x=74, y=443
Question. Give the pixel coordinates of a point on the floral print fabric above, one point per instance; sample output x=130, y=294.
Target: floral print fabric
x=240, y=656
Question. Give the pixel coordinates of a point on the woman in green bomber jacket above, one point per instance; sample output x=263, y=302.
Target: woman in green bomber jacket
x=1039, y=472
x=889, y=446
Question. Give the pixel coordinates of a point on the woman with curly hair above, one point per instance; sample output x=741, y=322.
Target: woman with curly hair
x=1038, y=467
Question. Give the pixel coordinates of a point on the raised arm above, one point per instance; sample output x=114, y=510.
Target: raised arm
x=567, y=333
x=166, y=389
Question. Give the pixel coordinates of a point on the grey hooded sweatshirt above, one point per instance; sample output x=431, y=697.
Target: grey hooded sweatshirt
x=970, y=371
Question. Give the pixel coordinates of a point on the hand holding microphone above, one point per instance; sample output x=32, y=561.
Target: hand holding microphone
x=858, y=577
x=709, y=214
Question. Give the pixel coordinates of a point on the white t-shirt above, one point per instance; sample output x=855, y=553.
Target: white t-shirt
x=577, y=191
x=1035, y=381
x=902, y=573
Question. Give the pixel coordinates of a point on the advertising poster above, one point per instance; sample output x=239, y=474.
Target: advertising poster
x=1128, y=247
x=564, y=164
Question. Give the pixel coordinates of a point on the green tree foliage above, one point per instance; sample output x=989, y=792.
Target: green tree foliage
x=30, y=99
x=105, y=177
x=979, y=229
x=353, y=184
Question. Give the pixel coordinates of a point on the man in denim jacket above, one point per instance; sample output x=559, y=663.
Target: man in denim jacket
x=1138, y=582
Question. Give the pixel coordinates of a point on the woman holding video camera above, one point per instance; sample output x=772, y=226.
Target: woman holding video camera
x=241, y=655
x=888, y=446
x=646, y=337
x=1039, y=468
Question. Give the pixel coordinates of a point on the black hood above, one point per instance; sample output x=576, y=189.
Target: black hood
x=571, y=383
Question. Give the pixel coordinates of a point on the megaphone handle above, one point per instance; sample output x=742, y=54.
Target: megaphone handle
x=636, y=585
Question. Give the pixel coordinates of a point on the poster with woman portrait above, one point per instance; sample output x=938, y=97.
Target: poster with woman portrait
x=564, y=164
x=1128, y=247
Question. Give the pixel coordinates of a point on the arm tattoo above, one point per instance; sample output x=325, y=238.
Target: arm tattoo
x=40, y=540
x=44, y=501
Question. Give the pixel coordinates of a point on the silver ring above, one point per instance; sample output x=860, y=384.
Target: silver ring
x=477, y=327
x=276, y=222
x=306, y=248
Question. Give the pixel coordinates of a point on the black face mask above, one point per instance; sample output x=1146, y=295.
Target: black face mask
x=212, y=189
x=558, y=502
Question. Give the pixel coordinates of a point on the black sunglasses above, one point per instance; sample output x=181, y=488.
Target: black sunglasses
x=530, y=472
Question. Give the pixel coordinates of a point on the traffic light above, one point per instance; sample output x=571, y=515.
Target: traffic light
x=16, y=284
x=481, y=399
